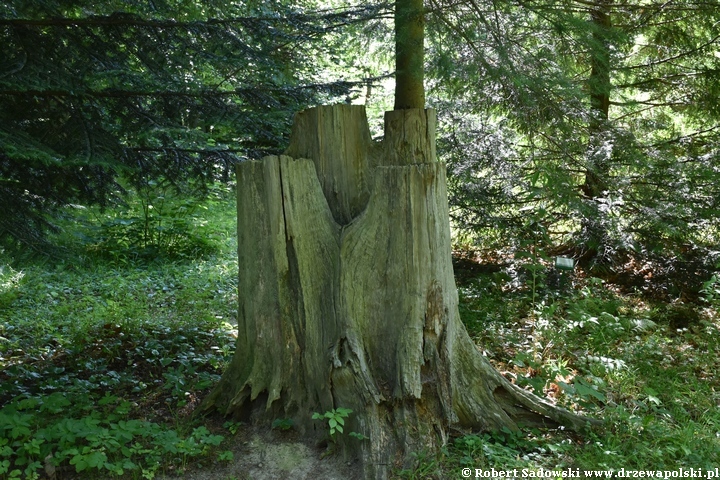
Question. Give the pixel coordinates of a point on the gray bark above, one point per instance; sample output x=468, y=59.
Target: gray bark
x=347, y=295
x=409, y=54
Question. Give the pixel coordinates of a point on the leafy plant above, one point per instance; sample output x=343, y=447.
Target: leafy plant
x=711, y=290
x=225, y=456
x=283, y=423
x=335, y=419
x=156, y=220
x=105, y=440
x=9, y=280
x=101, y=363
x=232, y=427
x=336, y=422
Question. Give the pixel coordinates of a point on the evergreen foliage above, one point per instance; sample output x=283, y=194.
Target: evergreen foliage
x=521, y=86
x=97, y=99
x=589, y=125
x=109, y=359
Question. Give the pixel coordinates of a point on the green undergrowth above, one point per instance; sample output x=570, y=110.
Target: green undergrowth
x=103, y=356
x=154, y=222
x=106, y=349
x=646, y=368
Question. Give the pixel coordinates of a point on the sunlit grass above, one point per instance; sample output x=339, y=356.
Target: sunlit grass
x=654, y=385
x=120, y=338
x=143, y=338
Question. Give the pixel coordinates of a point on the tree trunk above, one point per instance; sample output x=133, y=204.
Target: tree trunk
x=597, y=173
x=409, y=54
x=347, y=295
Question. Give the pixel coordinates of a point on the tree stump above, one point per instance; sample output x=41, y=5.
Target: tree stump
x=347, y=296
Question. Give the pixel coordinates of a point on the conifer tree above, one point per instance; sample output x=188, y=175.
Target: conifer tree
x=594, y=117
x=95, y=99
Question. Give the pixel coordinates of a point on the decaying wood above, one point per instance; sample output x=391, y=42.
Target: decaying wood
x=347, y=295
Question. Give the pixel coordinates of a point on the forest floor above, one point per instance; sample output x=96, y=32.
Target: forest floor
x=262, y=454
x=104, y=357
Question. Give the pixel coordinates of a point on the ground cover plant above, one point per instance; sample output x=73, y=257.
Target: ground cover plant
x=643, y=364
x=589, y=129
x=105, y=352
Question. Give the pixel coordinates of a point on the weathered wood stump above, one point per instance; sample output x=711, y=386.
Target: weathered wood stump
x=347, y=296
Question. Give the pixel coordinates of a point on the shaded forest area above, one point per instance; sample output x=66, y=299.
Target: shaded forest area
x=585, y=130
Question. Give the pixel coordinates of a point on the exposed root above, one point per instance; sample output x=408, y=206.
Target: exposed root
x=530, y=410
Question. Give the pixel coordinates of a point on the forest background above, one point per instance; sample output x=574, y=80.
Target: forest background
x=580, y=129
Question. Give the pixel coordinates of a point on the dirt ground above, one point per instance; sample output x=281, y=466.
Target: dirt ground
x=263, y=454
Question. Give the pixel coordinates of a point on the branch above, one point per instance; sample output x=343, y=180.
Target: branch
x=341, y=17
x=185, y=150
x=649, y=103
x=659, y=80
x=116, y=93
x=177, y=94
x=125, y=20
x=675, y=57
x=680, y=138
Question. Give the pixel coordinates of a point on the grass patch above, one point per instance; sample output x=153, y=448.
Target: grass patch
x=648, y=369
x=106, y=349
x=103, y=358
